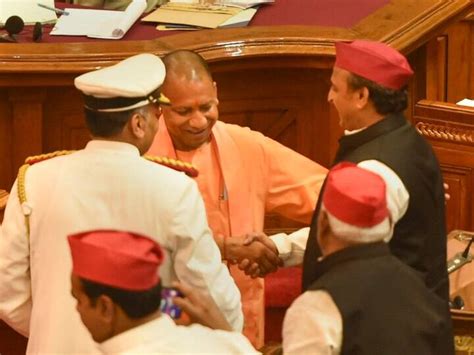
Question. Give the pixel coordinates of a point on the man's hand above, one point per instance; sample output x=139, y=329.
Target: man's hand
x=200, y=307
x=257, y=255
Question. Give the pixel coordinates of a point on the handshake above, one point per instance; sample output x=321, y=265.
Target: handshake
x=255, y=254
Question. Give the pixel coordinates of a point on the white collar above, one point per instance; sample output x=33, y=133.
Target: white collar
x=97, y=144
x=348, y=133
x=162, y=326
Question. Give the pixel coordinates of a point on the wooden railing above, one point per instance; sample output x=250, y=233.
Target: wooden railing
x=450, y=130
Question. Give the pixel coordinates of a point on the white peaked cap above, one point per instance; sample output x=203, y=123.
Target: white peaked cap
x=129, y=84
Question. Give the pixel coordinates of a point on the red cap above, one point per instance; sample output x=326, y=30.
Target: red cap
x=123, y=260
x=355, y=196
x=374, y=61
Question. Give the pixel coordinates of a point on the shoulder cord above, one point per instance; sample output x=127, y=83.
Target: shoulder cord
x=21, y=189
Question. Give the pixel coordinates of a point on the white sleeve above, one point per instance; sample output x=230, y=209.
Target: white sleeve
x=397, y=194
x=15, y=280
x=197, y=259
x=312, y=325
x=291, y=247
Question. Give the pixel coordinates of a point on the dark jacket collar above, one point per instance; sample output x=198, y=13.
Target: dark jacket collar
x=363, y=251
x=387, y=124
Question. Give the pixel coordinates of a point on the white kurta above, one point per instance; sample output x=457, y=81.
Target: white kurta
x=105, y=186
x=291, y=247
x=163, y=336
x=312, y=325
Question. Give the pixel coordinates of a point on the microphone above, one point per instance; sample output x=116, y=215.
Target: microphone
x=37, y=32
x=457, y=303
x=13, y=26
x=460, y=259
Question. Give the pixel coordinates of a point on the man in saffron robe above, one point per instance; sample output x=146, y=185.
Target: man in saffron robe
x=243, y=175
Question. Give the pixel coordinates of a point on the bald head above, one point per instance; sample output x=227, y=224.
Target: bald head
x=192, y=111
x=186, y=65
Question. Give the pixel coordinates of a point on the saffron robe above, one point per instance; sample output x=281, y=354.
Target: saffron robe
x=256, y=175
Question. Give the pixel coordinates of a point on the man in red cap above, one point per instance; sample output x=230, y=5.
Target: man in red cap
x=369, y=91
x=363, y=300
x=115, y=281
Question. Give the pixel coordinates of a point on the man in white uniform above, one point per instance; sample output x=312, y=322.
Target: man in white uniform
x=107, y=185
x=118, y=291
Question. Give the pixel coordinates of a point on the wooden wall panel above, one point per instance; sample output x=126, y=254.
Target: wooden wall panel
x=471, y=72
x=27, y=122
x=450, y=130
x=290, y=107
x=436, y=68
x=450, y=63
x=64, y=126
x=460, y=63
x=6, y=171
x=459, y=206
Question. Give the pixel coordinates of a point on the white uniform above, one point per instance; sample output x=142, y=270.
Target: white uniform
x=312, y=325
x=105, y=186
x=163, y=336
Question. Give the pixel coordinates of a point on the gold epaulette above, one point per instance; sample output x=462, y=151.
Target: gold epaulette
x=21, y=180
x=187, y=168
x=42, y=157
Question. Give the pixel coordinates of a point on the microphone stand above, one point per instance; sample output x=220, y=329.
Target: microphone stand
x=460, y=259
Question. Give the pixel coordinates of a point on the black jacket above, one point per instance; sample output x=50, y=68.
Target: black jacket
x=385, y=306
x=419, y=238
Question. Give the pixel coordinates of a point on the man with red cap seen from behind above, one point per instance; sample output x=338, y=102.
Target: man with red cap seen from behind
x=363, y=299
x=115, y=280
x=369, y=92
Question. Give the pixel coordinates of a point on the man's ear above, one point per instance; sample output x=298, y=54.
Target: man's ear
x=137, y=125
x=106, y=309
x=362, y=97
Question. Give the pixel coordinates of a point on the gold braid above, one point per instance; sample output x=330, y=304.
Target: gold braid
x=22, y=194
x=21, y=179
x=187, y=168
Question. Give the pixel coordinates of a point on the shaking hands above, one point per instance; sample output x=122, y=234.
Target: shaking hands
x=254, y=253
